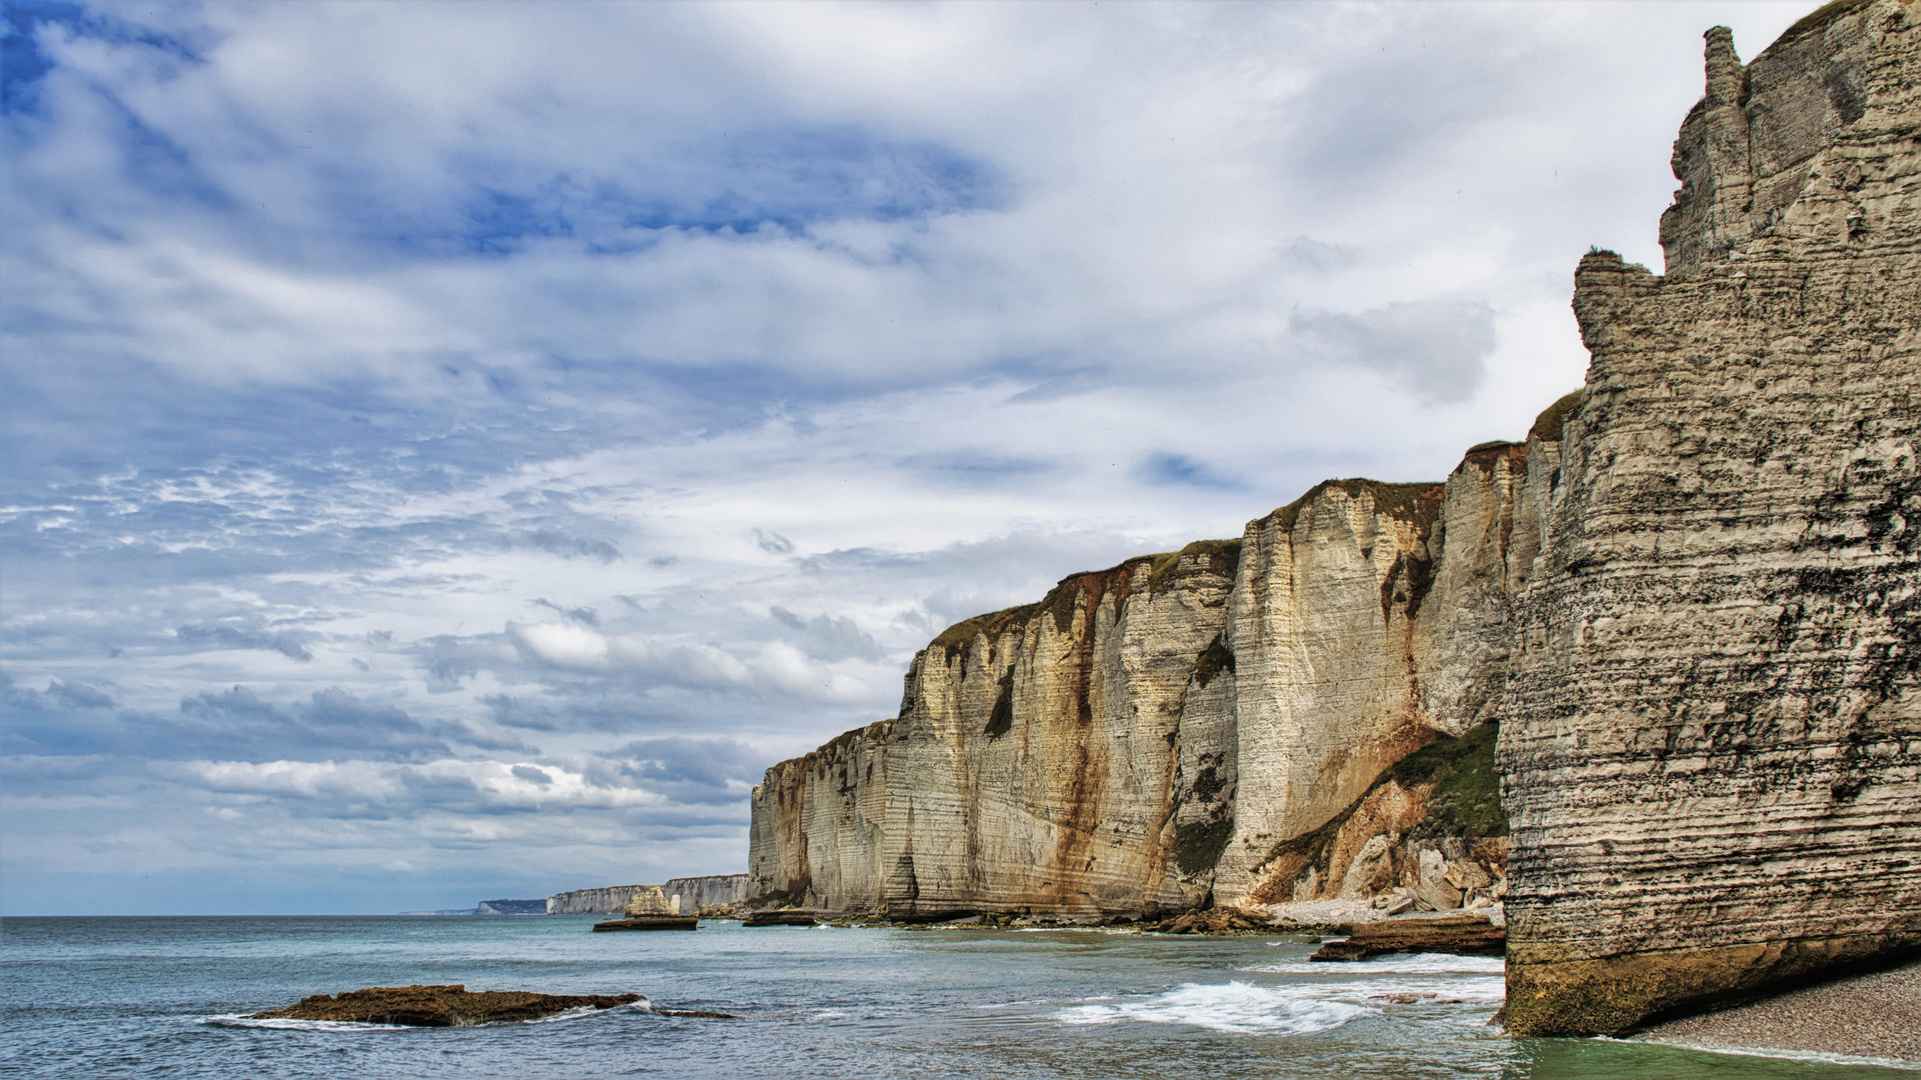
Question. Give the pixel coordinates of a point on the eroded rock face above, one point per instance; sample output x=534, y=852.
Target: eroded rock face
x=1152, y=736
x=1711, y=733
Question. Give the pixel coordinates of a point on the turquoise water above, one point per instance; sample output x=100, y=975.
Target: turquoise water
x=163, y=997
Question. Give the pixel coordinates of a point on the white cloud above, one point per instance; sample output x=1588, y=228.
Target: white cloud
x=395, y=338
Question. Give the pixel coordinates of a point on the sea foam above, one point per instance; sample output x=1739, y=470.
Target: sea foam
x=1237, y=1008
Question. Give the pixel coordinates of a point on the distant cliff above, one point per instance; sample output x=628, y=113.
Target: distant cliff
x=687, y=895
x=1686, y=609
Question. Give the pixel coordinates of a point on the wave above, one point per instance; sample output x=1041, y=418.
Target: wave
x=1769, y=1052
x=1396, y=964
x=1236, y=1008
x=238, y=1020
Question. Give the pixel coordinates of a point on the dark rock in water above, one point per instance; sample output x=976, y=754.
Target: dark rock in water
x=440, y=1006
x=649, y=922
x=1220, y=920
x=1460, y=936
x=780, y=918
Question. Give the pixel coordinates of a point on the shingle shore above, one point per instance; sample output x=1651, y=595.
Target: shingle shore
x=1877, y=1015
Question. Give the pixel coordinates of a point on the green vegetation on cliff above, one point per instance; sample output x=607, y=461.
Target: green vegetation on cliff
x=1466, y=800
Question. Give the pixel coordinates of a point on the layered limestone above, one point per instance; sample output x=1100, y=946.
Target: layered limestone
x=1156, y=735
x=1711, y=731
x=1037, y=764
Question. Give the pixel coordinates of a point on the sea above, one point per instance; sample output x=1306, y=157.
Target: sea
x=169, y=997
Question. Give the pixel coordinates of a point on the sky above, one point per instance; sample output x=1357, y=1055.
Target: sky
x=454, y=449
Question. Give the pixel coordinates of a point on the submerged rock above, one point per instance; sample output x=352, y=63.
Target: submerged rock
x=1461, y=936
x=440, y=1006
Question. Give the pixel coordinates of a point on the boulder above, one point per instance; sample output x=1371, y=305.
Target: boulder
x=1221, y=920
x=1460, y=935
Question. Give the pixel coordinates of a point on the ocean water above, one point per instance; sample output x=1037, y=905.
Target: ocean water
x=166, y=997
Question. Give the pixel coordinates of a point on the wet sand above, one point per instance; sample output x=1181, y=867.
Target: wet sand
x=1876, y=1016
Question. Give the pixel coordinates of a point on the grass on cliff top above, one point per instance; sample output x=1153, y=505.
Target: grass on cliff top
x=1547, y=426
x=958, y=635
x=1415, y=503
x=1223, y=558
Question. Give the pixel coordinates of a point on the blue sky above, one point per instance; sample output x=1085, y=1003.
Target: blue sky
x=454, y=449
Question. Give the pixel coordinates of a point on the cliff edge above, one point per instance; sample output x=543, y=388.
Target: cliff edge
x=1711, y=736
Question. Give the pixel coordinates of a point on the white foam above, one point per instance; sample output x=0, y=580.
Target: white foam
x=642, y=1005
x=239, y=1021
x=1395, y=963
x=285, y=1024
x=1237, y=1008
x=1766, y=1052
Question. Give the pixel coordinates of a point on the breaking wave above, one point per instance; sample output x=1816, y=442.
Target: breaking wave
x=1237, y=1008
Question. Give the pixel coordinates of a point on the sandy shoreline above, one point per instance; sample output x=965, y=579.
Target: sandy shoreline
x=1872, y=1016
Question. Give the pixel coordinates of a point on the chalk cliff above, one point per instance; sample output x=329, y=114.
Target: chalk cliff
x=1686, y=609
x=1150, y=736
x=1711, y=735
x=683, y=895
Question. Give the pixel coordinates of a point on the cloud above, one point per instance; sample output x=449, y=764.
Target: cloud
x=773, y=543
x=827, y=638
x=227, y=637
x=472, y=786
x=1440, y=348
x=750, y=346
x=777, y=668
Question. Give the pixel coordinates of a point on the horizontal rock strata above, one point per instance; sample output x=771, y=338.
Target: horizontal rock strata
x=1461, y=935
x=1162, y=734
x=1711, y=732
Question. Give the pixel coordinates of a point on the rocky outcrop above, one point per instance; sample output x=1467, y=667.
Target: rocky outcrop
x=1162, y=734
x=1461, y=935
x=1038, y=761
x=1711, y=732
x=439, y=1006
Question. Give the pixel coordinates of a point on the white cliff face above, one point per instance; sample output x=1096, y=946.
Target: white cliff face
x=1711, y=737
x=1321, y=642
x=1154, y=734
x=1037, y=762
